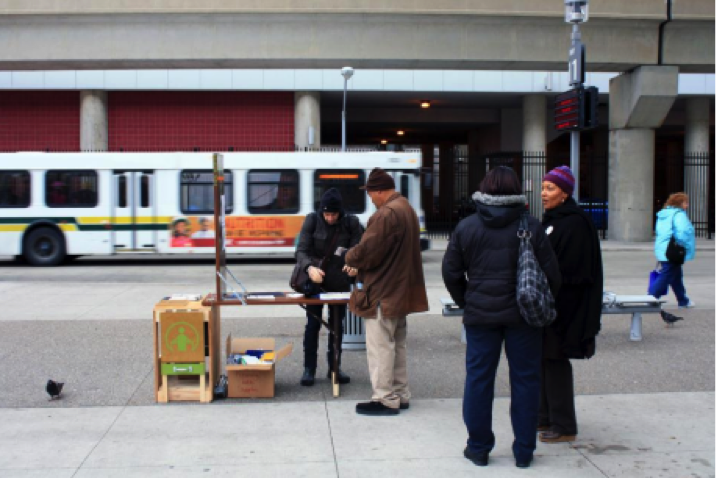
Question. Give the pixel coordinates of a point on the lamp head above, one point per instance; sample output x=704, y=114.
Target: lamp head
x=347, y=72
x=576, y=11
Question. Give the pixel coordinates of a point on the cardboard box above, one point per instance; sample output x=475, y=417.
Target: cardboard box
x=253, y=380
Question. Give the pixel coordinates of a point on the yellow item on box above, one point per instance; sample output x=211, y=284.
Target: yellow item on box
x=269, y=356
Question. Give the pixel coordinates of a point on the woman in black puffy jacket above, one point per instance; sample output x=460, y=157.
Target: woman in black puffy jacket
x=480, y=272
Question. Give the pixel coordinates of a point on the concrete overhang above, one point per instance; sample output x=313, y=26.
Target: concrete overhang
x=446, y=41
x=536, y=8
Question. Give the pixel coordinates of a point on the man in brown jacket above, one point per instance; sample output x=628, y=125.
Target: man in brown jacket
x=390, y=286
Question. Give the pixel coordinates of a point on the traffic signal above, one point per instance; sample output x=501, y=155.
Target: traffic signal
x=576, y=109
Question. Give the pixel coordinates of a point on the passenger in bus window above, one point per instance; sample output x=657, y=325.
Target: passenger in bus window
x=80, y=194
x=16, y=193
x=57, y=194
x=180, y=234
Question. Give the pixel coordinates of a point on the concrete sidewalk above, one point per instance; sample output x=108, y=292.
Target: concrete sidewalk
x=627, y=435
x=702, y=244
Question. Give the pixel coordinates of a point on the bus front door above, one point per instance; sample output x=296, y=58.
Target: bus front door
x=134, y=211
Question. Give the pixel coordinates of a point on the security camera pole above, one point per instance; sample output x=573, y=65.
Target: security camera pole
x=576, y=12
x=347, y=73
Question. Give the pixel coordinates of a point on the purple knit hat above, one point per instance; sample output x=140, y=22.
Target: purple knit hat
x=562, y=177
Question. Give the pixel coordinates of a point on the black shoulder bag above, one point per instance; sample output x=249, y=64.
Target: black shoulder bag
x=300, y=280
x=675, y=253
x=534, y=298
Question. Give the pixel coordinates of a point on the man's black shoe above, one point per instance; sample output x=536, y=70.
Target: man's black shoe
x=343, y=378
x=522, y=464
x=375, y=408
x=478, y=458
x=404, y=405
x=309, y=377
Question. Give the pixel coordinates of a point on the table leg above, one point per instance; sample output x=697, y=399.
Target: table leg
x=335, y=331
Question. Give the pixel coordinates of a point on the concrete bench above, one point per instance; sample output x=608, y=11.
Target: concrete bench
x=611, y=304
x=634, y=305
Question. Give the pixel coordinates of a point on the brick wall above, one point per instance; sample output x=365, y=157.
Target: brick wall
x=39, y=120
x=151, y=121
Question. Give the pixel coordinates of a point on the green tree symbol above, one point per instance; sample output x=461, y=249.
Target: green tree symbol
x=182, y=341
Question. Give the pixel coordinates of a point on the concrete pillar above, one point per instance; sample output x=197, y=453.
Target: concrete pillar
x=696, y=137
x=94, y=131
x=534, y=145
x=534, y=129
x=696, y=159
x=307, y=125
x=631, y=184
x=638, y=103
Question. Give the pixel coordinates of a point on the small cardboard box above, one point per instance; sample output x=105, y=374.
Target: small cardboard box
x=253, y=380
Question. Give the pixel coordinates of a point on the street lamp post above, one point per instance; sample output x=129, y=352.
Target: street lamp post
x=347, y=73
x=576, y=12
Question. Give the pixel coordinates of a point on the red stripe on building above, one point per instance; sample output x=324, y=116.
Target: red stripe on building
x=184, y=120
x=39, y=120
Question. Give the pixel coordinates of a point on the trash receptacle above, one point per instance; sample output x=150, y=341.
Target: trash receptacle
x=353, y=331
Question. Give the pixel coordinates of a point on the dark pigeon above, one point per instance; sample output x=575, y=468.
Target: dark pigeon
x=54, y=389
x=669, y=318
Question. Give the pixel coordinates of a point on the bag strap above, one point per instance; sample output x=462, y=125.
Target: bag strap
x=523, y=230
x=673, y=225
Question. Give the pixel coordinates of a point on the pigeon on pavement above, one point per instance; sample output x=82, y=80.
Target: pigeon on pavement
x=669, y=318
x=54, y=389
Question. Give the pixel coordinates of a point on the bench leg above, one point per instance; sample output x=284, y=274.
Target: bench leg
x=635, y=334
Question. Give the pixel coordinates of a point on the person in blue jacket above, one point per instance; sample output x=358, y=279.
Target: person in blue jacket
x=673, y=220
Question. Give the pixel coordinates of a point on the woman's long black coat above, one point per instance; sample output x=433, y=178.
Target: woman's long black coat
x=575, y=241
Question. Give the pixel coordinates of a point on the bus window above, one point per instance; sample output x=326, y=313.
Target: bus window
x=405, y=186
x=345, y=181
x=122, y=187
x=197, y=191
x=14, y=189
x=144, y=191
x=273, y=191
x=71, y=189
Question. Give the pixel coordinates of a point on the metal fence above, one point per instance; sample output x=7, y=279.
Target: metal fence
x=699, y=184
x=693, y=174
x=446, y=210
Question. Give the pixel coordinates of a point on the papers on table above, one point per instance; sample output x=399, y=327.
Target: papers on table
x=329, y=296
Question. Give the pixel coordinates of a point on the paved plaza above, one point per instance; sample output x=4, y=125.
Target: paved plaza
x=645, y=409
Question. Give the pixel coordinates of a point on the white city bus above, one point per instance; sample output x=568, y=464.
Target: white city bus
x=55, y=206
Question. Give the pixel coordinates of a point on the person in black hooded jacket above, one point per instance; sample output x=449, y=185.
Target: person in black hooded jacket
x=579, y=304
x=316, y=237
x=480, y=272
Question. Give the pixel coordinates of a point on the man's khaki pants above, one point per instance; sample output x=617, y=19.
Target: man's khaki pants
x=385, y=344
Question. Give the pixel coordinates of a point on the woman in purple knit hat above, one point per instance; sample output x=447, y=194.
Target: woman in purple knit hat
x=575, y=241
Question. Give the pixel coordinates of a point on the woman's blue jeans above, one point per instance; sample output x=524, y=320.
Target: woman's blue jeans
x=671, y=275
x=523, y=347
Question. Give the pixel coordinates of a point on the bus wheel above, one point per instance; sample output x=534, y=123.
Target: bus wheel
x=44, y=247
